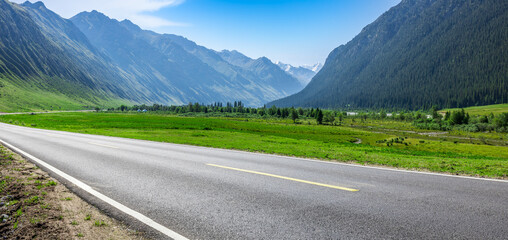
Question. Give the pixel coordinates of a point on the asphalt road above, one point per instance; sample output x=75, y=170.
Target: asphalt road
x=204, y=193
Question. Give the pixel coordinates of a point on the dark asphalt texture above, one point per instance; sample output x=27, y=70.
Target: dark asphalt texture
x=173, y=185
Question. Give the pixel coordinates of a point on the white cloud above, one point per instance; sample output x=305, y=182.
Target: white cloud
x=138, y=11
x=151, y=22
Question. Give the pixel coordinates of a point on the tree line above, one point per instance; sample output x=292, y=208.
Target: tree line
x=431, y=119
x=460, y=120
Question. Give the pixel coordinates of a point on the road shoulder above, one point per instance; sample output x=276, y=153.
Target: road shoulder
x=35, y=205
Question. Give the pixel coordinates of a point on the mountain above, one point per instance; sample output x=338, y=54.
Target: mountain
x=38, y=73
x=420, y=53
x=303, y=73
x=177, y=70
x=262, y=69
x=161, y=78
x=65, y=35
x=315, y=68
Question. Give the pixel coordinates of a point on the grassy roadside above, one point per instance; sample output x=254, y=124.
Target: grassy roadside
x=36, y=206
x=382, y=142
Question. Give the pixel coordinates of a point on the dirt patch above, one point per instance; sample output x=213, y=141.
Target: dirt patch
x=36, y=206
x=433, y=133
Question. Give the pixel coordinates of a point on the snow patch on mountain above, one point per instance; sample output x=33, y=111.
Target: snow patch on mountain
x=303, y=73
x=315, y=68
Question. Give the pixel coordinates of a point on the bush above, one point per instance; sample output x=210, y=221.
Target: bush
x=483, y=119
x=431, y=124
x=482, y=127
x=501, y=121
x=467, y=128
x=329, y=118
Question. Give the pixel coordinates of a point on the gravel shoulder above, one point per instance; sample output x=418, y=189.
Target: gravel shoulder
x=35, y=206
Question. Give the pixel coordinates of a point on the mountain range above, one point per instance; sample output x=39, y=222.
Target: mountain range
x=420, y=53
x=47, y=61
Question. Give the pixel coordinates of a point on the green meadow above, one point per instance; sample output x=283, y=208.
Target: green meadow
x=374, y=142
x=483, y=110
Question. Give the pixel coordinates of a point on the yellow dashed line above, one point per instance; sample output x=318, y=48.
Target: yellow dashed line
x=286, y=178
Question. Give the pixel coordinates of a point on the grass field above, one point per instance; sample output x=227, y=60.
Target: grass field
x=483, y=110
x=383, y=142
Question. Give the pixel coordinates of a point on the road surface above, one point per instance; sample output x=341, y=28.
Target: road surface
x=204, y=193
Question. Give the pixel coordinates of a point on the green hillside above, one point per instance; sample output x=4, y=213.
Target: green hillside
x=482, y=110
x=421, y=53
x=49, y=94
x=37, y=74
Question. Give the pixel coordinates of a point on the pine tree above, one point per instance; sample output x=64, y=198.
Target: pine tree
x=319, y=116
x=294, y=115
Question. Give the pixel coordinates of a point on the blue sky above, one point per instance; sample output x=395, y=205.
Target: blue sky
x=293, y=31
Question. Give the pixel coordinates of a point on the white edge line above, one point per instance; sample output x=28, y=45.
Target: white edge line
x=103, y=145
x=279, y=156
x=142, y=218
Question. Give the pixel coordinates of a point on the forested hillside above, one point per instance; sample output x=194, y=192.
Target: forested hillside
x=421, y=53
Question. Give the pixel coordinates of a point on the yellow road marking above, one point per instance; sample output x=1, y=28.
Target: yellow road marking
x=286, y=178
x=102, y=145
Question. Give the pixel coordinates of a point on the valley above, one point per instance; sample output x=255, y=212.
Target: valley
x=141, y=116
